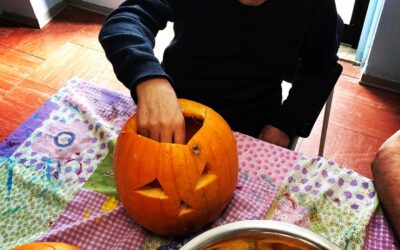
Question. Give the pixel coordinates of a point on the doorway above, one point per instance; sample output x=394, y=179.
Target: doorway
x=353, y=14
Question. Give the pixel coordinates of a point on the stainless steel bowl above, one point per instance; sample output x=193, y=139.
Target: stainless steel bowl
x=259, y=235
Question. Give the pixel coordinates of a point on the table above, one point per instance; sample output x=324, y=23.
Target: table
x=57, y=183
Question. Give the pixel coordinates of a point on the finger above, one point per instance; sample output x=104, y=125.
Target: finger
x=179, y=134
x=143, y=131
x=155, y=134
x=166, y=136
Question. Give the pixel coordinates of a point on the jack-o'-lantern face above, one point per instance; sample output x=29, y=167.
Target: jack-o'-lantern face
x=175, y=189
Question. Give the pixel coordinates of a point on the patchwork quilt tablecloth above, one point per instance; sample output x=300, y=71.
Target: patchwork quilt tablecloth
x=56, y=183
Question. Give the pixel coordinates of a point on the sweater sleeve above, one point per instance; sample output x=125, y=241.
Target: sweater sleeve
x=316, y=69
x=128, y=38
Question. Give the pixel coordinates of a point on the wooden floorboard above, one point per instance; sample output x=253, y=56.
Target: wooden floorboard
x=346, y=147
x=366, y=110
x=15, y=66
x=44, y=42
x=349, y=69
x=73, y=60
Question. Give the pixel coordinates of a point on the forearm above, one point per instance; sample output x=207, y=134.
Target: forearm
x=386, y=174
x=316, y=70
x=309, y=91
x=128, y=38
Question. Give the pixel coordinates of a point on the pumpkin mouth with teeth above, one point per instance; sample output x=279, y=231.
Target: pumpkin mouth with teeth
x=175, y=189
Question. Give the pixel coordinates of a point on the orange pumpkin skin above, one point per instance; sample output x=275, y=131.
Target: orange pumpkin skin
x=47, y=246
x=175, y=189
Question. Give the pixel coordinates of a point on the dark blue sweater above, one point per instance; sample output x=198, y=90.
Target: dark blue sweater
x=229, y=56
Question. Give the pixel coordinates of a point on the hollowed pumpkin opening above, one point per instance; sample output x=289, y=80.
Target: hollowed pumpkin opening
x=192, y=126
x=153, y=190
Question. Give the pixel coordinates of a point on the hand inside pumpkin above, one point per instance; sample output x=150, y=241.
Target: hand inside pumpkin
x=275, y=136
x=158, y=112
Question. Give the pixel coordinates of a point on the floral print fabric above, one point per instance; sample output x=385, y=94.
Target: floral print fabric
x=44, y=172
x=323, y=197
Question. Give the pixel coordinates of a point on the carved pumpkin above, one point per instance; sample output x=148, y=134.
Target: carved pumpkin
x=47, y=246
x=175, y=189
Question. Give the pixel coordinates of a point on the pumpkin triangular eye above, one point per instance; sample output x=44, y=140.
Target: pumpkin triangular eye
x=184, y=208
x=155, y=184
x=206, y=177
x=153, y=189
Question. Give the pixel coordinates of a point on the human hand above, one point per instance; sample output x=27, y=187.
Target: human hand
x=159, y=115
x=275, y=136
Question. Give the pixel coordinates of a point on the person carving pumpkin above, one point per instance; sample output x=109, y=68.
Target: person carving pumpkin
x=227, y=54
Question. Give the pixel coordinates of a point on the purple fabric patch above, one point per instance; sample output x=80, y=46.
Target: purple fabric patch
x=379, y=235
x=85, y=225
x=13, y=141
x=251, y=201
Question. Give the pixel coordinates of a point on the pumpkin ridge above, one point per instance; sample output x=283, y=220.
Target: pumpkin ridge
x=224, y=152
x=176, y=186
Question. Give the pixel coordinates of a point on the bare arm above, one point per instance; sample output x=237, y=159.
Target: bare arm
x=386, y=174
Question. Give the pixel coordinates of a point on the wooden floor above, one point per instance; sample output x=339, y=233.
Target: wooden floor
x=35, y=63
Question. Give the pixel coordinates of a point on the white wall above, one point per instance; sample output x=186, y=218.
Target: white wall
x=384, y=59
x=345, y=9
x=32, y=9
x=163, y=38
x=106, y=3
x=41, y=9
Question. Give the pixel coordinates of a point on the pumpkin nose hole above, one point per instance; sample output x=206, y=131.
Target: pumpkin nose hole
x=192, y=125
x=184, y=208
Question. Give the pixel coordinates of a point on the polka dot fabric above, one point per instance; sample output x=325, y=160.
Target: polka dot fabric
x=328, y=199
x=264, y=162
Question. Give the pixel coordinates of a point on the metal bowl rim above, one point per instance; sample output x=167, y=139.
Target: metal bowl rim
x=257, y=226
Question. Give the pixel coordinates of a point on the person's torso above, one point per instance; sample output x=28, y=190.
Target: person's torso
x=227, y=51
